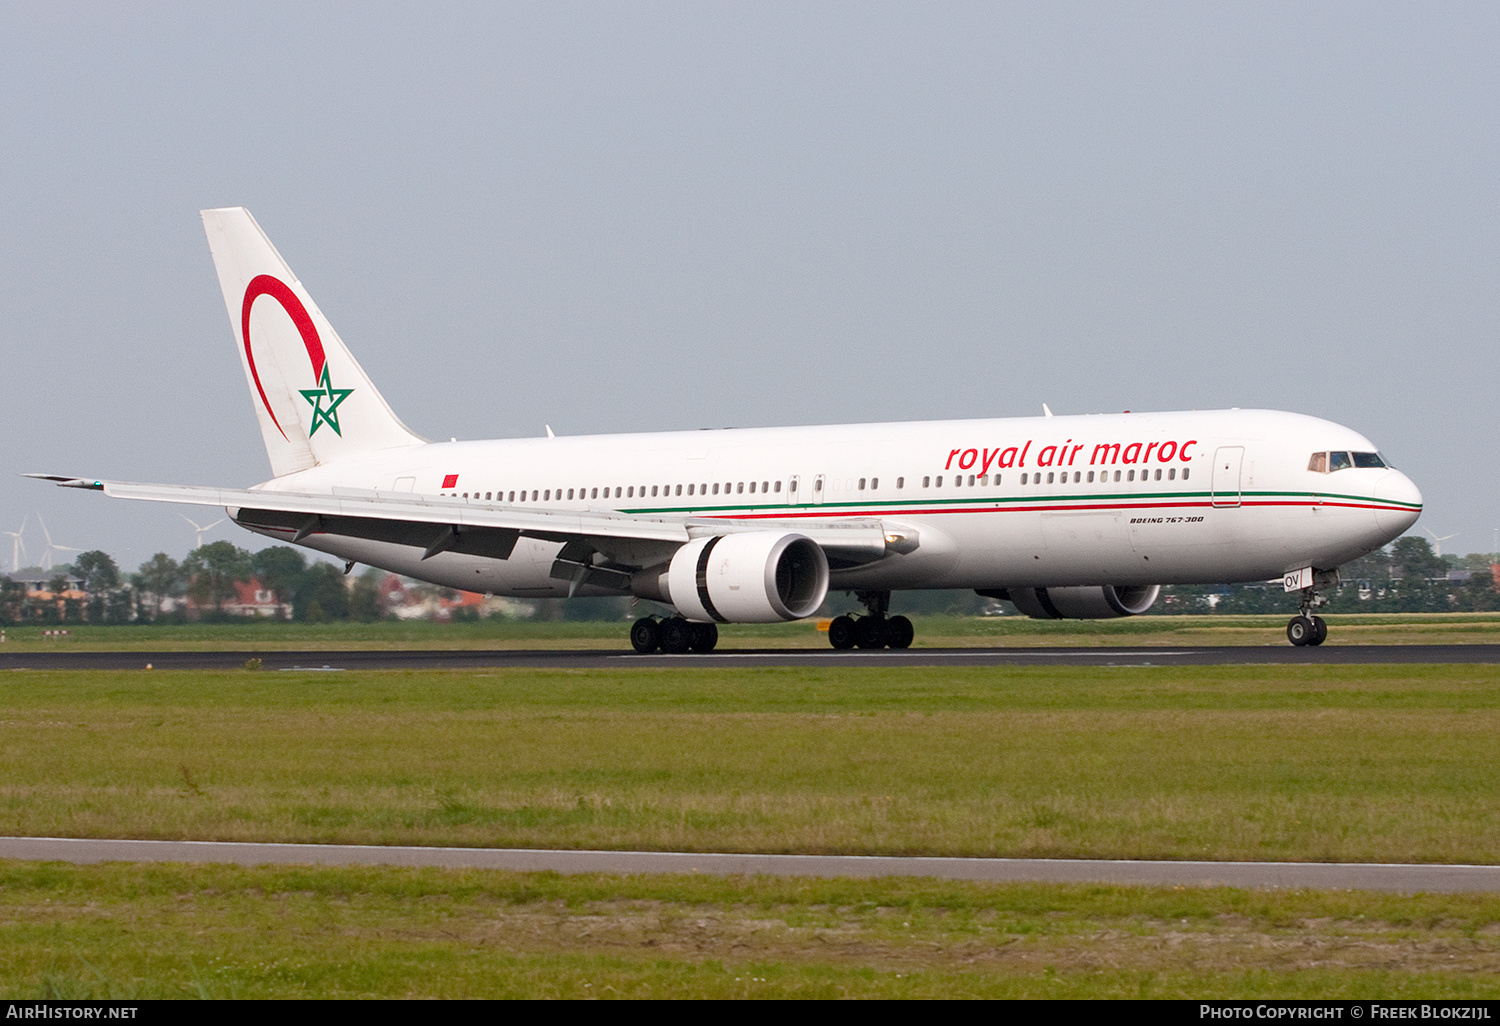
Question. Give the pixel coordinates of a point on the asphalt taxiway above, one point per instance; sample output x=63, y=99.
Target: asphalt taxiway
x=1410, y=879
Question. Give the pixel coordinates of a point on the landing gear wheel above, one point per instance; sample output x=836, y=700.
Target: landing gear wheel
x=899, y=632
x=1320, y=631
x=841, y=633
x=1300, y=631
x=705, y=636
x=1305, y=628
x=870, y=632
x=676, y=635
x=645, y=635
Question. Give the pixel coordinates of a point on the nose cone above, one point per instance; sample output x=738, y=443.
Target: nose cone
x=1401, y=503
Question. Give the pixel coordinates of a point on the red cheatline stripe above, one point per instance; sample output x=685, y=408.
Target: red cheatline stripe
x=822, y=514
x=928, y=510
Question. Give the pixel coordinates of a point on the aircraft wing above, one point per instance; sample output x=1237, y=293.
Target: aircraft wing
x=441, y=524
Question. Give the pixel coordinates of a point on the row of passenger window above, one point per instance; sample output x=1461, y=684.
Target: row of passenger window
x=627, y=492
x=1087, y=477
x=774, y=487
x=1058, y=477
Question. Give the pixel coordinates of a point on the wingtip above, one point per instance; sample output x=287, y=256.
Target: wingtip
x=64, y=481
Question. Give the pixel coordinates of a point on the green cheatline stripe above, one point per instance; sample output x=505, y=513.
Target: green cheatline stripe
x=914, y=505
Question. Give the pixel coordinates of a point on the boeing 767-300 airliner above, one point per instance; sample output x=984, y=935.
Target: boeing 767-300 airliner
x=1078, y=516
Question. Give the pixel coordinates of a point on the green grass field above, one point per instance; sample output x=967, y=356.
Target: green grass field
x=1324, y=763
x=1301, y=762
x=932, y=632
x=140, y=932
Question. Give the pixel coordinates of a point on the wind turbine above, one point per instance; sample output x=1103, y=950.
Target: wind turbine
x=1437, y=543
x=18, y=547
x=202, y=529
x=51, y=545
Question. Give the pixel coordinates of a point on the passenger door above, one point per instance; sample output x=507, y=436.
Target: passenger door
x=1226, y=479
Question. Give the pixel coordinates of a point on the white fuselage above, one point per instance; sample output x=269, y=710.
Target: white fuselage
x=1126, y=499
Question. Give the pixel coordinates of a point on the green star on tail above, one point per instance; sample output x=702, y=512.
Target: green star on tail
x=330, y=414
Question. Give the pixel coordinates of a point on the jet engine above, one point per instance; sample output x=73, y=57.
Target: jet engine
x=1092, y=603
x=750, y=577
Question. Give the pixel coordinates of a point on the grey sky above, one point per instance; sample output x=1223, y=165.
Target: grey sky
x=630, y=217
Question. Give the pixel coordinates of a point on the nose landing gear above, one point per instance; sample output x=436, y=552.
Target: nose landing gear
x=1305, y=628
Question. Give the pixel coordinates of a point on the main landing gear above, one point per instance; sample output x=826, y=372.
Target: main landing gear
x=873, y=631
x=674, y=635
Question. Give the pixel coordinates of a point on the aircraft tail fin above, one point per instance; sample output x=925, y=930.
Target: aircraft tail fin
x=314, y=402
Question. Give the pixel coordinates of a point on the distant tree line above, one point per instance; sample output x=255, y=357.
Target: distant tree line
x=1408, y=577
x=310, y=592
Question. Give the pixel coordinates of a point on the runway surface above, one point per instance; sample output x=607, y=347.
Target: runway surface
x=575, y=659
x=1409, y=879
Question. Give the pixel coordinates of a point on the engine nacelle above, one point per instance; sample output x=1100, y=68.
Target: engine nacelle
x=750, y=577
x=1092, y=603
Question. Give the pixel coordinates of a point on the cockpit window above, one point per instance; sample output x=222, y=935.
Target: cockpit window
x=1328, y=462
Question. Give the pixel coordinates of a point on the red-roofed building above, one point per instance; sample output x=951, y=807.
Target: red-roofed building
x=251, y=598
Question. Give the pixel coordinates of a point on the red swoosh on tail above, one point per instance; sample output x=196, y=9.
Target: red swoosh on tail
x=265, y=285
